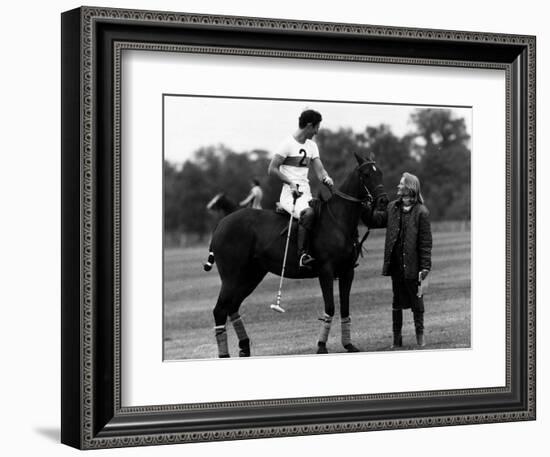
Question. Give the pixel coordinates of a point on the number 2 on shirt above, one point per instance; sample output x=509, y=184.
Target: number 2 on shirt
x=303, y=162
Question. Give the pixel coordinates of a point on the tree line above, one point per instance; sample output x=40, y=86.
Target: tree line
x=436, y=150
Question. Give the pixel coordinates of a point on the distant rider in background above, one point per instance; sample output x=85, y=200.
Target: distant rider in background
x=254, y=198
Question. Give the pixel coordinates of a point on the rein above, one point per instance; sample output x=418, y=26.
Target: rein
x=364, y=201
x=358, y=246
x=369, y=198
x=351, y=198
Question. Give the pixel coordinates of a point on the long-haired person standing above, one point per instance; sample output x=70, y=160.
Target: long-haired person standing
x=407, y=253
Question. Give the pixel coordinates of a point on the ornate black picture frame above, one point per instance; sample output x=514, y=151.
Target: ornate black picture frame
x=92, y=414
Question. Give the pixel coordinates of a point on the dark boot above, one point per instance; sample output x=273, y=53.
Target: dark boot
x=397, y=341
x=397, y=325
x=418, y=317
x=305, y=226
x=306, y=259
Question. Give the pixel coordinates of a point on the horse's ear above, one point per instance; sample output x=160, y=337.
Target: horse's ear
x=359, y=159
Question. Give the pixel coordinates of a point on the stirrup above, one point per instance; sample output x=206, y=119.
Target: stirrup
x=306, y=260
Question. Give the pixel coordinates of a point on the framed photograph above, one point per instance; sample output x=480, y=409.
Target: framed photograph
x=276, y=228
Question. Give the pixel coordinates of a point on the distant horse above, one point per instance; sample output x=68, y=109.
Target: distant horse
x=222, y=203
x=248, y=243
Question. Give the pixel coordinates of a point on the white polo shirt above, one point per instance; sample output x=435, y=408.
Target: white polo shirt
x=297, y=157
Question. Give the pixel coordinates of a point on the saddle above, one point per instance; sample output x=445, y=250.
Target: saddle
x=314, y=203
x=280, y=210
x=317, y=204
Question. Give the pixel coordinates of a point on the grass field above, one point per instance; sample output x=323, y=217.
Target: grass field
x=190, y=295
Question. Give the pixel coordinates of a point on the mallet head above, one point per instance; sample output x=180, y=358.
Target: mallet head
x=277, y=308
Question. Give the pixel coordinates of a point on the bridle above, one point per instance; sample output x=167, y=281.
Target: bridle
x=364, y=202
x=369, y=198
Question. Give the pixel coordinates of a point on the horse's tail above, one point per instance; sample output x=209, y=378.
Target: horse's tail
x=210, y=261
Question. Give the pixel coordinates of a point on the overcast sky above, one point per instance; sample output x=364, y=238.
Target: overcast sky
x=245, y=124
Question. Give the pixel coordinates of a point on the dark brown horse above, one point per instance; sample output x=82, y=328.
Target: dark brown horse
x=249, y=243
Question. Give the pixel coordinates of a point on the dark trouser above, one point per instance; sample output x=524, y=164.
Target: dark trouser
x=397, y=321
x=397, y=324
x=404, y=296
x=304, y=229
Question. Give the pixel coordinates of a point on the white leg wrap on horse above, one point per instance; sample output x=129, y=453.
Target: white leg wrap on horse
x=346, y=330
x=238, y=325
x=221, y=339
x=325, y=328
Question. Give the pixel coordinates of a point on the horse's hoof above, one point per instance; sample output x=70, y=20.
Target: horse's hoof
x=322, y=348
x=351, y=348
x=224, y=356
x=245, y=348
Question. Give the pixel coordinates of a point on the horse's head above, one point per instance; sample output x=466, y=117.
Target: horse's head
x=214, y=204
x=221, y=204
x=371, y=179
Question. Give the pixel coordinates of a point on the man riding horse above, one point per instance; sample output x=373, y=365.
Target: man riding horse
x=291, y=165
x=249, y=243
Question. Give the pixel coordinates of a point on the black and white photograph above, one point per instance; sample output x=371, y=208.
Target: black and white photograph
x=275, y=228
x=309, y=227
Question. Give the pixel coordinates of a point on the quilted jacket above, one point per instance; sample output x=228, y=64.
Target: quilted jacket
x=417, y=245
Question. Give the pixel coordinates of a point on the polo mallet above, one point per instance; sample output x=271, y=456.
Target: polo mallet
x=277, y=306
